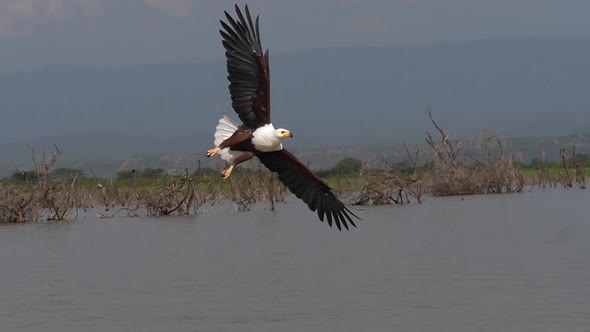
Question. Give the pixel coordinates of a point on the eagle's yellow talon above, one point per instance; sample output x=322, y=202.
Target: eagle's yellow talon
x=212, y=152
x=225, y=174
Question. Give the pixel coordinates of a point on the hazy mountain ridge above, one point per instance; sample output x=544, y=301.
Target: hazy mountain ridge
x=535, y=85
x=356, y=96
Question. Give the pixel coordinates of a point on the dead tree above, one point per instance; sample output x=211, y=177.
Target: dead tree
x=452, y=176
x=579, y=172
x=57, y=198
x=450, y=150
x=177, y=197
x=415, y=187
x=18, y=205
x=565, y=177
x=544, y=179
x=381, y=184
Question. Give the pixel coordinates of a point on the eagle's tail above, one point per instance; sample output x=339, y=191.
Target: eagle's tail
x=224, y=130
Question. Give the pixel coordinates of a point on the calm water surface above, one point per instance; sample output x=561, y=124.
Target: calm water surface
x=486, y=263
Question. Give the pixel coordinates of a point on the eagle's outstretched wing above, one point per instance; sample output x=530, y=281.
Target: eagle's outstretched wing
x=308, y=187
x=247, y=67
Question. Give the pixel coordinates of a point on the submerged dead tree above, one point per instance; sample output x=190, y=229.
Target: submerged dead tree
x=111, y=196
x=36, y=195
x=251, y=186
x=18, y=205
x=499, y=174
x=564, y=175
x=568, y=177
x=579, y=172
x=451, y=175
x=544, y=179
x=273, y=190
x=382, y=183
x=58, y=198
x=415, y=186
x=243, y=191
x=177, y=197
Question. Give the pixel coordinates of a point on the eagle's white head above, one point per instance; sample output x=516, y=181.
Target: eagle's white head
x=283, y=133
x=267, y=138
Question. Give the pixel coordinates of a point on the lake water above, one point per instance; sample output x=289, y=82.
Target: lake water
x=480, y=263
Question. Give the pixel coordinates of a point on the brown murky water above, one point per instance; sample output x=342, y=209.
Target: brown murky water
x=486, y=263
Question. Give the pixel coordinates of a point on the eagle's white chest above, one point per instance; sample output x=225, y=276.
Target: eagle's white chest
x=265, y=139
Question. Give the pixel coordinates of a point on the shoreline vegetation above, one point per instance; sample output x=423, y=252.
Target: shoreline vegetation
x=53, y=194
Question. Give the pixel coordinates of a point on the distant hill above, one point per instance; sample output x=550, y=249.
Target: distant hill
x=328, y=97
x=103, y=156
x=104, y=152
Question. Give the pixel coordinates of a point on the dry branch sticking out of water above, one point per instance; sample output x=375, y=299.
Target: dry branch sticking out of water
x=379, y=183
x=178, y=197
x=452, y=176
x=17, y=205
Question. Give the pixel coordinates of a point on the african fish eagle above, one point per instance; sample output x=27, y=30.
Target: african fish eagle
x=249, y=88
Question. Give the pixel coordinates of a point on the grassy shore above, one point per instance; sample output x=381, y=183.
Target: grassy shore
x=22, y=201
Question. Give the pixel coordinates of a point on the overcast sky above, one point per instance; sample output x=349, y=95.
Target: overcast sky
x=117, y=32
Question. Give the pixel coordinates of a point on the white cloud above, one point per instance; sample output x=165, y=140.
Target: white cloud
x=20, y=18
x=23, y=18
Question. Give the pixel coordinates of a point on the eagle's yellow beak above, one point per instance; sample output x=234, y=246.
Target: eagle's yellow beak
x=287, y=134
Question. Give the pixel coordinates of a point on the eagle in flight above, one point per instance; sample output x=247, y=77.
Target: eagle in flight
x=249, y=88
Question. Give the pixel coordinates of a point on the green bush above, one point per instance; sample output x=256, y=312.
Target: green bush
x=346, y=166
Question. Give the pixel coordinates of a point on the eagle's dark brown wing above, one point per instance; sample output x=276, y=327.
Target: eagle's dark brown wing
x=247, y=66
x=308, y=187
